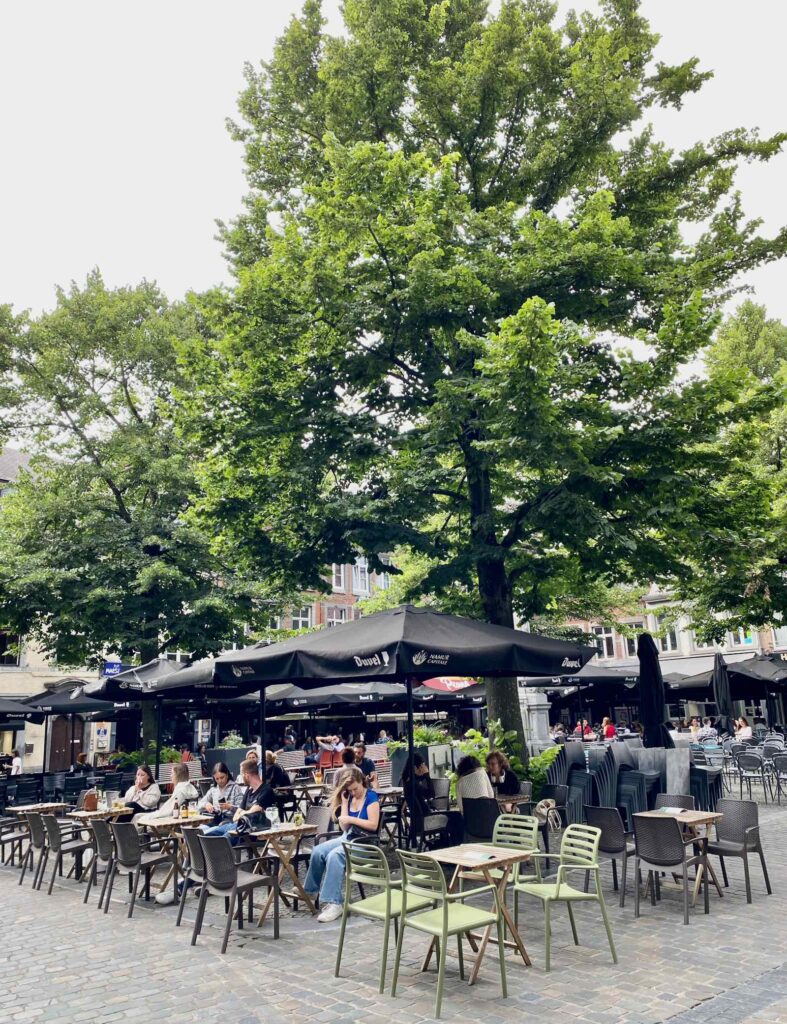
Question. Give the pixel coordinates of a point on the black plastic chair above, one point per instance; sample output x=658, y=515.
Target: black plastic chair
x=615, y=842
x=26, y=790
x=682, y=800
x=12, y=838
x=37, y=835
x=738, y=835
x=61, y=843
x=135, y=858
x=480, y=814
x=103, y=853
x=73, y=785
x=195, y=869
x=224, y=877
x=660, y=846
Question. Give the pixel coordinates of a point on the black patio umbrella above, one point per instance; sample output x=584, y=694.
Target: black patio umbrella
x=722, y=695
x=470, y=696
x=592, y=674
x=375, y=692
x=14, y=714
x=403, y=644
x=651, y=694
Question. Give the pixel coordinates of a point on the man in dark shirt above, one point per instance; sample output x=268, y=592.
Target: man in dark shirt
x=366, y=764
x=250, y=816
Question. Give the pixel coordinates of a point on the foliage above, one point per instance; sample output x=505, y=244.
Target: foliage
x=537, y=769
x=168, y=755
x=231, y=741
x=423, y=736
x=465, y=297
x=474, y=743
x=97, y=556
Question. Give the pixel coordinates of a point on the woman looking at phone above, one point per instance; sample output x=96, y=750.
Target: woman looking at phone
x=224, y=796
x=357, y=810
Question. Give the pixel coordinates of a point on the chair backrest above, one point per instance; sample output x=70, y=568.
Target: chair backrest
x=127, y=779
x=325, y=759
x=366, y=865
x=329, y=776
x=81, y=800
x=737, y=746
x=221, y=871
x=53, y=832
x=659, y=840
x=750, y=762
x=519, y=830
x=291, y=759
x=442, y=794
x=112, y=780
x=384, y=776
x=549, y=791
x=377, y=751
x=319, y=815
x=336, y=759
x=526, y=788
x=37, y=830
x=780, y=762
x=196, y=858
x=738, y=816
x=675, y=800
x=769, y=749
x=480, y=814
x=774, y=737
x=579, y=845
x=103, y=838
x=127, y=846
x=26, y=789
x=609, y=821
x=421, y=875
x=73, y=786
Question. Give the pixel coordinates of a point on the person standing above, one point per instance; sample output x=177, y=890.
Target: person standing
x=16, y=763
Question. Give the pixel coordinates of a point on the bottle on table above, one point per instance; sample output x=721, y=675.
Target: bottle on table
x=176, y=810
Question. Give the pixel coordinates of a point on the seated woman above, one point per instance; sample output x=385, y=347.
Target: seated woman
x=183, y=793
x=144, y=795
x=504, y=779
x=426, y=818
x=224, y=796
x=274, y=774
x=472, y=781
x=608, y=730
x=358, y=813
x=251, y=755
x=82, y=766
x=743, y=730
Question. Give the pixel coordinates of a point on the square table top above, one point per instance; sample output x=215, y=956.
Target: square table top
x=479, y=855
x=111, y=812
x=286, y=829
x=37, y=808
x=514, y=798
x=172, y=823
x=690, y=818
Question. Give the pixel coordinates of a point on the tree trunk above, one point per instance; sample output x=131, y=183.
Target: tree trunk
x=494, y=588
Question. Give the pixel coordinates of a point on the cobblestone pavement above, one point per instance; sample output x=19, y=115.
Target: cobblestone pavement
x=63, y=961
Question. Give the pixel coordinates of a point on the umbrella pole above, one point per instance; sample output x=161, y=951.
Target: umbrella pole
x=262, y=729
x=411, y=796
x=71, y=750
x=159, y=702
x=46, y=735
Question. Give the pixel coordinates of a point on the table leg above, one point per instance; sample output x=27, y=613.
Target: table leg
x=480, y=954
x=512, y=928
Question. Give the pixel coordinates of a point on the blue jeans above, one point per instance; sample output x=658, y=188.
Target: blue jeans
x=226, y=828
x=326, y=871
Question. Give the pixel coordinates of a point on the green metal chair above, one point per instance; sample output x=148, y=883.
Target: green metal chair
x=423, y=879
x=578, y=852
x=366, y=866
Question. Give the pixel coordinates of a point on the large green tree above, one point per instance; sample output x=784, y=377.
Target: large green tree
x=455, y=217
x=97, y=555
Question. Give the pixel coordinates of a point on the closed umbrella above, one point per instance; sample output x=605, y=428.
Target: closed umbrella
x=651, y=694
x=722, y=695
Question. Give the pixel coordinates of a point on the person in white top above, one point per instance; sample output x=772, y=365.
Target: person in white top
x=251, y=755
x=144, y=795
x=183, y=793
x=16, y=763
x=743, y=732
x=472, y=781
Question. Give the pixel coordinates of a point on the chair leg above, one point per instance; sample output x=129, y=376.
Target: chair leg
x=203, y=899
x=39, y=878
x=764, y=870
x=623, y=879
x=652, y=884
x=685, y=895
x=383, y=958
x=502, y=955
x=614, y=875
x=58, y=863
x=724, y=873
x=547, y=937
x=182, y=900
x=603, y=906
x=398, y=957
x=26, y=862
x=91, y=877
x=745, y=859
x=134, y=890
x=461, y=956
x=636, y=886
x=587, y=881
x=228, y=925
x=438, y=999
x=340, y=945
x=104, y=886
x=570, y=910
x=108, y=883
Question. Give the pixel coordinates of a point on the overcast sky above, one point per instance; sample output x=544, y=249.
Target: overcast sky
x=115, y=152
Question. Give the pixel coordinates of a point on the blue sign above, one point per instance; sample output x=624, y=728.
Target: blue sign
x=114, y=668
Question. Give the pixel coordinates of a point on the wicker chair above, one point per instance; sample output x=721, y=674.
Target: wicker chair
x=13, y=837
x=738, y=835
x=37, y=833
x=660, y=846
x=615, y=842
x=103, y=852
x=195, y=870
x=135, y=858
x=674, y=800
x=223, y=877
x=62, y=842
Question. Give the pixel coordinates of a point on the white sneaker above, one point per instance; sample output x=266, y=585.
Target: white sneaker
x=330, y=912
x=165, y=898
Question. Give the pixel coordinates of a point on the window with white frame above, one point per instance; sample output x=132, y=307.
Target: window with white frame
x=10, y=647
x=336, y=615
x=383, y=579
x=741, y=638
x=361, y=575
x=669, y=641
x=605, y=640
x=302, y=617
x=631, y=641
x=337, y=576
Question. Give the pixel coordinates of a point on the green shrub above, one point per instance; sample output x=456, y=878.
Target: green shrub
x=538, y=767
x=423, y=736
x=231, y=741
x=138, y=757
